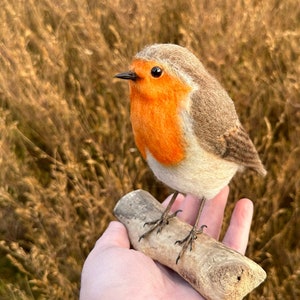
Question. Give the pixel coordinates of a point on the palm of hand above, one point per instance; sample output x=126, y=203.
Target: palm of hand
x=139, y=277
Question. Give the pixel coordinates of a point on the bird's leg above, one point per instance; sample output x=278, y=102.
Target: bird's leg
x=189, y=239
x=163, y=220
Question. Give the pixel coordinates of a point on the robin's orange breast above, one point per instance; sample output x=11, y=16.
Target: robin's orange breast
x=155, y=114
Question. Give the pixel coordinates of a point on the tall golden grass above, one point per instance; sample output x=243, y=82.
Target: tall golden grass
x=66, y=147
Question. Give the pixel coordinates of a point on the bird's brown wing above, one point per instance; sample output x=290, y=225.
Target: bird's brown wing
x=239, y=148
x=217, y=127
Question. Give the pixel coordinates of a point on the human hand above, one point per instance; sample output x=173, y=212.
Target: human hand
x=113, y=270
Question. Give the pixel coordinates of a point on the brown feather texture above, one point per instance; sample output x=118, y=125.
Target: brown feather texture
x=240, y=149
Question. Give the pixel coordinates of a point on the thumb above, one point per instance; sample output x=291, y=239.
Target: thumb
x=114, y=236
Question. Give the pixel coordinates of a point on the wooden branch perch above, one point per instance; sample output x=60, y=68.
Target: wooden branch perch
x=214, y=270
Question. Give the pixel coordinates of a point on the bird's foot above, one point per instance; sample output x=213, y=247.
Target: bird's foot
x=159, y=223
x=189, y=240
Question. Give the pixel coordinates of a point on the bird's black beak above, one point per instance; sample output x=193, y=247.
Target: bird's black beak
x=130, y=75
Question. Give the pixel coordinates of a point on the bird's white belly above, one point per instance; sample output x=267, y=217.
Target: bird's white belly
x=200, y=174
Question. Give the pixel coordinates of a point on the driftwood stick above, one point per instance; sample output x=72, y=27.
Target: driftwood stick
x=214, y=270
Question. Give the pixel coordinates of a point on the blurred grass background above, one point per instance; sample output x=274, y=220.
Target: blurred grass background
x=66, y=148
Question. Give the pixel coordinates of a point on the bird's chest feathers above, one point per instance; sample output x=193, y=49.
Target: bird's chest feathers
x=155, y=118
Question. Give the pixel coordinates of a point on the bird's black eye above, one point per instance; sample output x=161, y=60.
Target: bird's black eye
x=156, y=72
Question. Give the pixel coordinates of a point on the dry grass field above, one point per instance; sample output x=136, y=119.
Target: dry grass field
x=66, y=147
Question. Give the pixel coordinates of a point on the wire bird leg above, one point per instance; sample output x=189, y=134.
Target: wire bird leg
x=189, y=239
x=163, y=220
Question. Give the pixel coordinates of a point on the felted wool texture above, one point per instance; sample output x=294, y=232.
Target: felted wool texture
x=155, y=105
x=201, y=173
